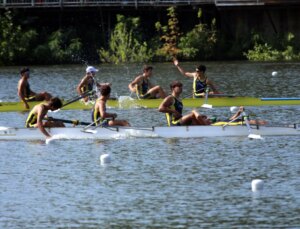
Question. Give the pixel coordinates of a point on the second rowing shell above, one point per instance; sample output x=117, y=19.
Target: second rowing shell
x=125, y=102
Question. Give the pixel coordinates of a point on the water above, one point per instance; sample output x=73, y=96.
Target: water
x=153, y=183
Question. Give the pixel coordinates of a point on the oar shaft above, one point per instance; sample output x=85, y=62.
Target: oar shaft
x=75, y=122
x=78, y=98
x=248, y=125
x=240, y=116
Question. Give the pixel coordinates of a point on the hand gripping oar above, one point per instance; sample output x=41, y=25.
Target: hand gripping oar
x=205, y=105
x=254, y=136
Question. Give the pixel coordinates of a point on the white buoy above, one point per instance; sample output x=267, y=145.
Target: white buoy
x=105, y=158
x=274, y=73
x=233, y=110
x=257, y=185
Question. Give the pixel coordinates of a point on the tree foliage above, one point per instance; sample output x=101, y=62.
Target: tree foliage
x=125, y=44
x=60, y=47
x=14, y=43
x=200, y=42
x=263, y=51
x=169, y=35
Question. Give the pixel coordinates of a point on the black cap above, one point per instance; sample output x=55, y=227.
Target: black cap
x=201, y=68
x=23, y=70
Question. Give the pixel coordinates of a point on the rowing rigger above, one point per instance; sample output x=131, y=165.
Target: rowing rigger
x=8, y=133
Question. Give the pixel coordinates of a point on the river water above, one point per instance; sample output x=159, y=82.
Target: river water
x=153, y=183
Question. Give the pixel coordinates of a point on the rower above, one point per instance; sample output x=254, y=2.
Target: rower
x=99, y=114
x=143, y=88
x=88, y=82
x=200, y=81
x=24, y=91
x=172, y=106
x=39, y=112
x=238, y=118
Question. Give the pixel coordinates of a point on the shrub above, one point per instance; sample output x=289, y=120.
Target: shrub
x=125, y=44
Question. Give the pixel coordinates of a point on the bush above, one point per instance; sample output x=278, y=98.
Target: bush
x=265, y=52
x=61, y=47
x=14, y=43
x=169, y=35
x=200, y=42
x=125, y=43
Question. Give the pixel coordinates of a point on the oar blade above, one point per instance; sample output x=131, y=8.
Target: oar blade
x=209, y=106
x=254, y=136
x=90, y=131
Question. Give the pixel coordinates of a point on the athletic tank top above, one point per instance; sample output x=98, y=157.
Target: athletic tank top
x=96, y=116
x=178, y=106
x=143, y=88
x=31, y=119
x=199, y=86
x=89, y=86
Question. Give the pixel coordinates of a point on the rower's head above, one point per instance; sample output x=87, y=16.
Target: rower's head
x=90, y=70
x=55, y=103
x=201, y=68
x=24, y=71
x=105, y=90
x=147, y=70
x=176, y=86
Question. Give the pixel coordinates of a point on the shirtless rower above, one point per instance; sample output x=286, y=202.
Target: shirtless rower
x=24, y=91
x=39, y=112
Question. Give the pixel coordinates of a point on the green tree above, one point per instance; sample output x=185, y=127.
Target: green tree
x=200, y=42
x=169, y=35
x=60, y=47
x=125, y=44
x=263, y=51
x=14, y=42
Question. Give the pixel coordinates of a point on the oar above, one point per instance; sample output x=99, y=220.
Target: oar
x=79, y=97
x=205, y=105
x=254, y=136
x=101, y=124
x=231, y=121
x=74, y=122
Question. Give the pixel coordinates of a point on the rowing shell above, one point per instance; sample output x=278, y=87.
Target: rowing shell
x=125, y=102
x=7, y=133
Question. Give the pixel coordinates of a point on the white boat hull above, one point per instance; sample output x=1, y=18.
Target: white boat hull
x=7, y=133
x=219, y=131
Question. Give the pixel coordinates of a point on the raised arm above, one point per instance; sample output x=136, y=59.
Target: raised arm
x=180, y=69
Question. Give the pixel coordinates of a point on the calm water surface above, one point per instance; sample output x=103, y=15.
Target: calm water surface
x=153, y=183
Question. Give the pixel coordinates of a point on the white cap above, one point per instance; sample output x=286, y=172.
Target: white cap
x=234, y=109
x=91, y=69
